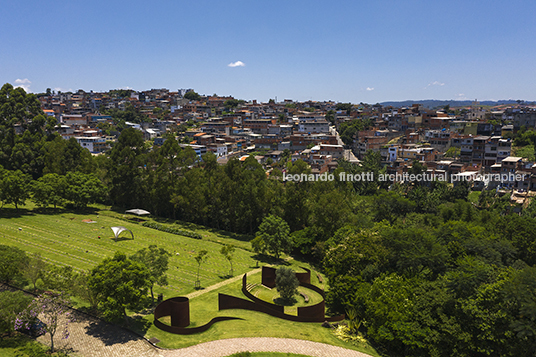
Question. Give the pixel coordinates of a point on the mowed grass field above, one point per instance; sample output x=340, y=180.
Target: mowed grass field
x=65, y=238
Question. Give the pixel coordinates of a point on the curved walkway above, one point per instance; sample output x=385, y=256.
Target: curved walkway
x=222, y=348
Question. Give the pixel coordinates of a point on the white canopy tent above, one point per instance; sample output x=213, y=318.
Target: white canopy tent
x=138, y=211
x=118, y=230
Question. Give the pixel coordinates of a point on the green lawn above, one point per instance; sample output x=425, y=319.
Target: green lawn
x=20, y=345
x=64, y=239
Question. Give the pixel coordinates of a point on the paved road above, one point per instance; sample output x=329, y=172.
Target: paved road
x=221, y=348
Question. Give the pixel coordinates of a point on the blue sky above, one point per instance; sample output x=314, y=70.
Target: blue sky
x=358, y=51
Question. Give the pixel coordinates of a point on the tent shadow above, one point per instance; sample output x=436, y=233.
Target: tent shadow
x=119, y=239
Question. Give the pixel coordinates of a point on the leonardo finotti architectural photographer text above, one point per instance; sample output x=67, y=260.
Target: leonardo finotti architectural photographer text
x=405, y=177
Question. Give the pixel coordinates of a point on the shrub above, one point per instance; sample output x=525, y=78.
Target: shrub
x=172, y=230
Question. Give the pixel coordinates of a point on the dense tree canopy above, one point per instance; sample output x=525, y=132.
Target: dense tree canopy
x=286, y=283
x=12, y=263
x=274, y=235
x=119, y=283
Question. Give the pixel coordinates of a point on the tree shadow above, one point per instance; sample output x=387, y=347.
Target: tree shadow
x=10, y=212
x=108, y=333
x=120, y=239
x=138, y=324
x=14, y=340
x=285, y=302
x=81, y=210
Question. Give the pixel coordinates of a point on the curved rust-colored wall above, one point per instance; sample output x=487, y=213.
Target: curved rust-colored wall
x=268, y=277
x=233, y=302
x=178, y=308
x=314, y=313
x=304, y=278
x=258, y=301
x=269, y=274
x=180, y=311
x=189, y=331
x=314, y=288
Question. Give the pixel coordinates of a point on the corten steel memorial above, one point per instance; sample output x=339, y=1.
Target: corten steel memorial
x=314, y=313
x=178, y=308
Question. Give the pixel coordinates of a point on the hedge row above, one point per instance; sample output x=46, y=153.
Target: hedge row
x=171, y=230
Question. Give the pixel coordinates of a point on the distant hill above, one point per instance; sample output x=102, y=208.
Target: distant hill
x=431, y=103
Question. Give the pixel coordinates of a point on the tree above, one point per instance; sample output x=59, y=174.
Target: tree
x=48, y=190
x=125, y=173
x=286, y=283
x=275, y=235
x=192, y=96
x=118, y=284
x=12, y=304
x=52, y=310
x=200, y=258
x=157, y=261
x=35, y=268
x=82, y=189
x=231, y=103
x=14, y=188
x=12, y=263
x=227, y=251
x=453, y=152
x=60, y=278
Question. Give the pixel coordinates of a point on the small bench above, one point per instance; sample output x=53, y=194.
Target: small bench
x=305, y=297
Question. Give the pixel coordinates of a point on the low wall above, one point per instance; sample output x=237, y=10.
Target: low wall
x=314, y=313
x=258, y=301
x=304, y=278
x=178, y=308
x=190, y=331
x=268, y=277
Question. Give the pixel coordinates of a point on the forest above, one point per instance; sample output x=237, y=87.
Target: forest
x=427, y=271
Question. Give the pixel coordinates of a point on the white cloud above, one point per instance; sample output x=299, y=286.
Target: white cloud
x=236, y=64
x=370, y=89
x=24, y=84
x=435, y=83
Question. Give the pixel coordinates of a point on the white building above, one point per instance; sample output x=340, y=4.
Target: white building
x=94, y=144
